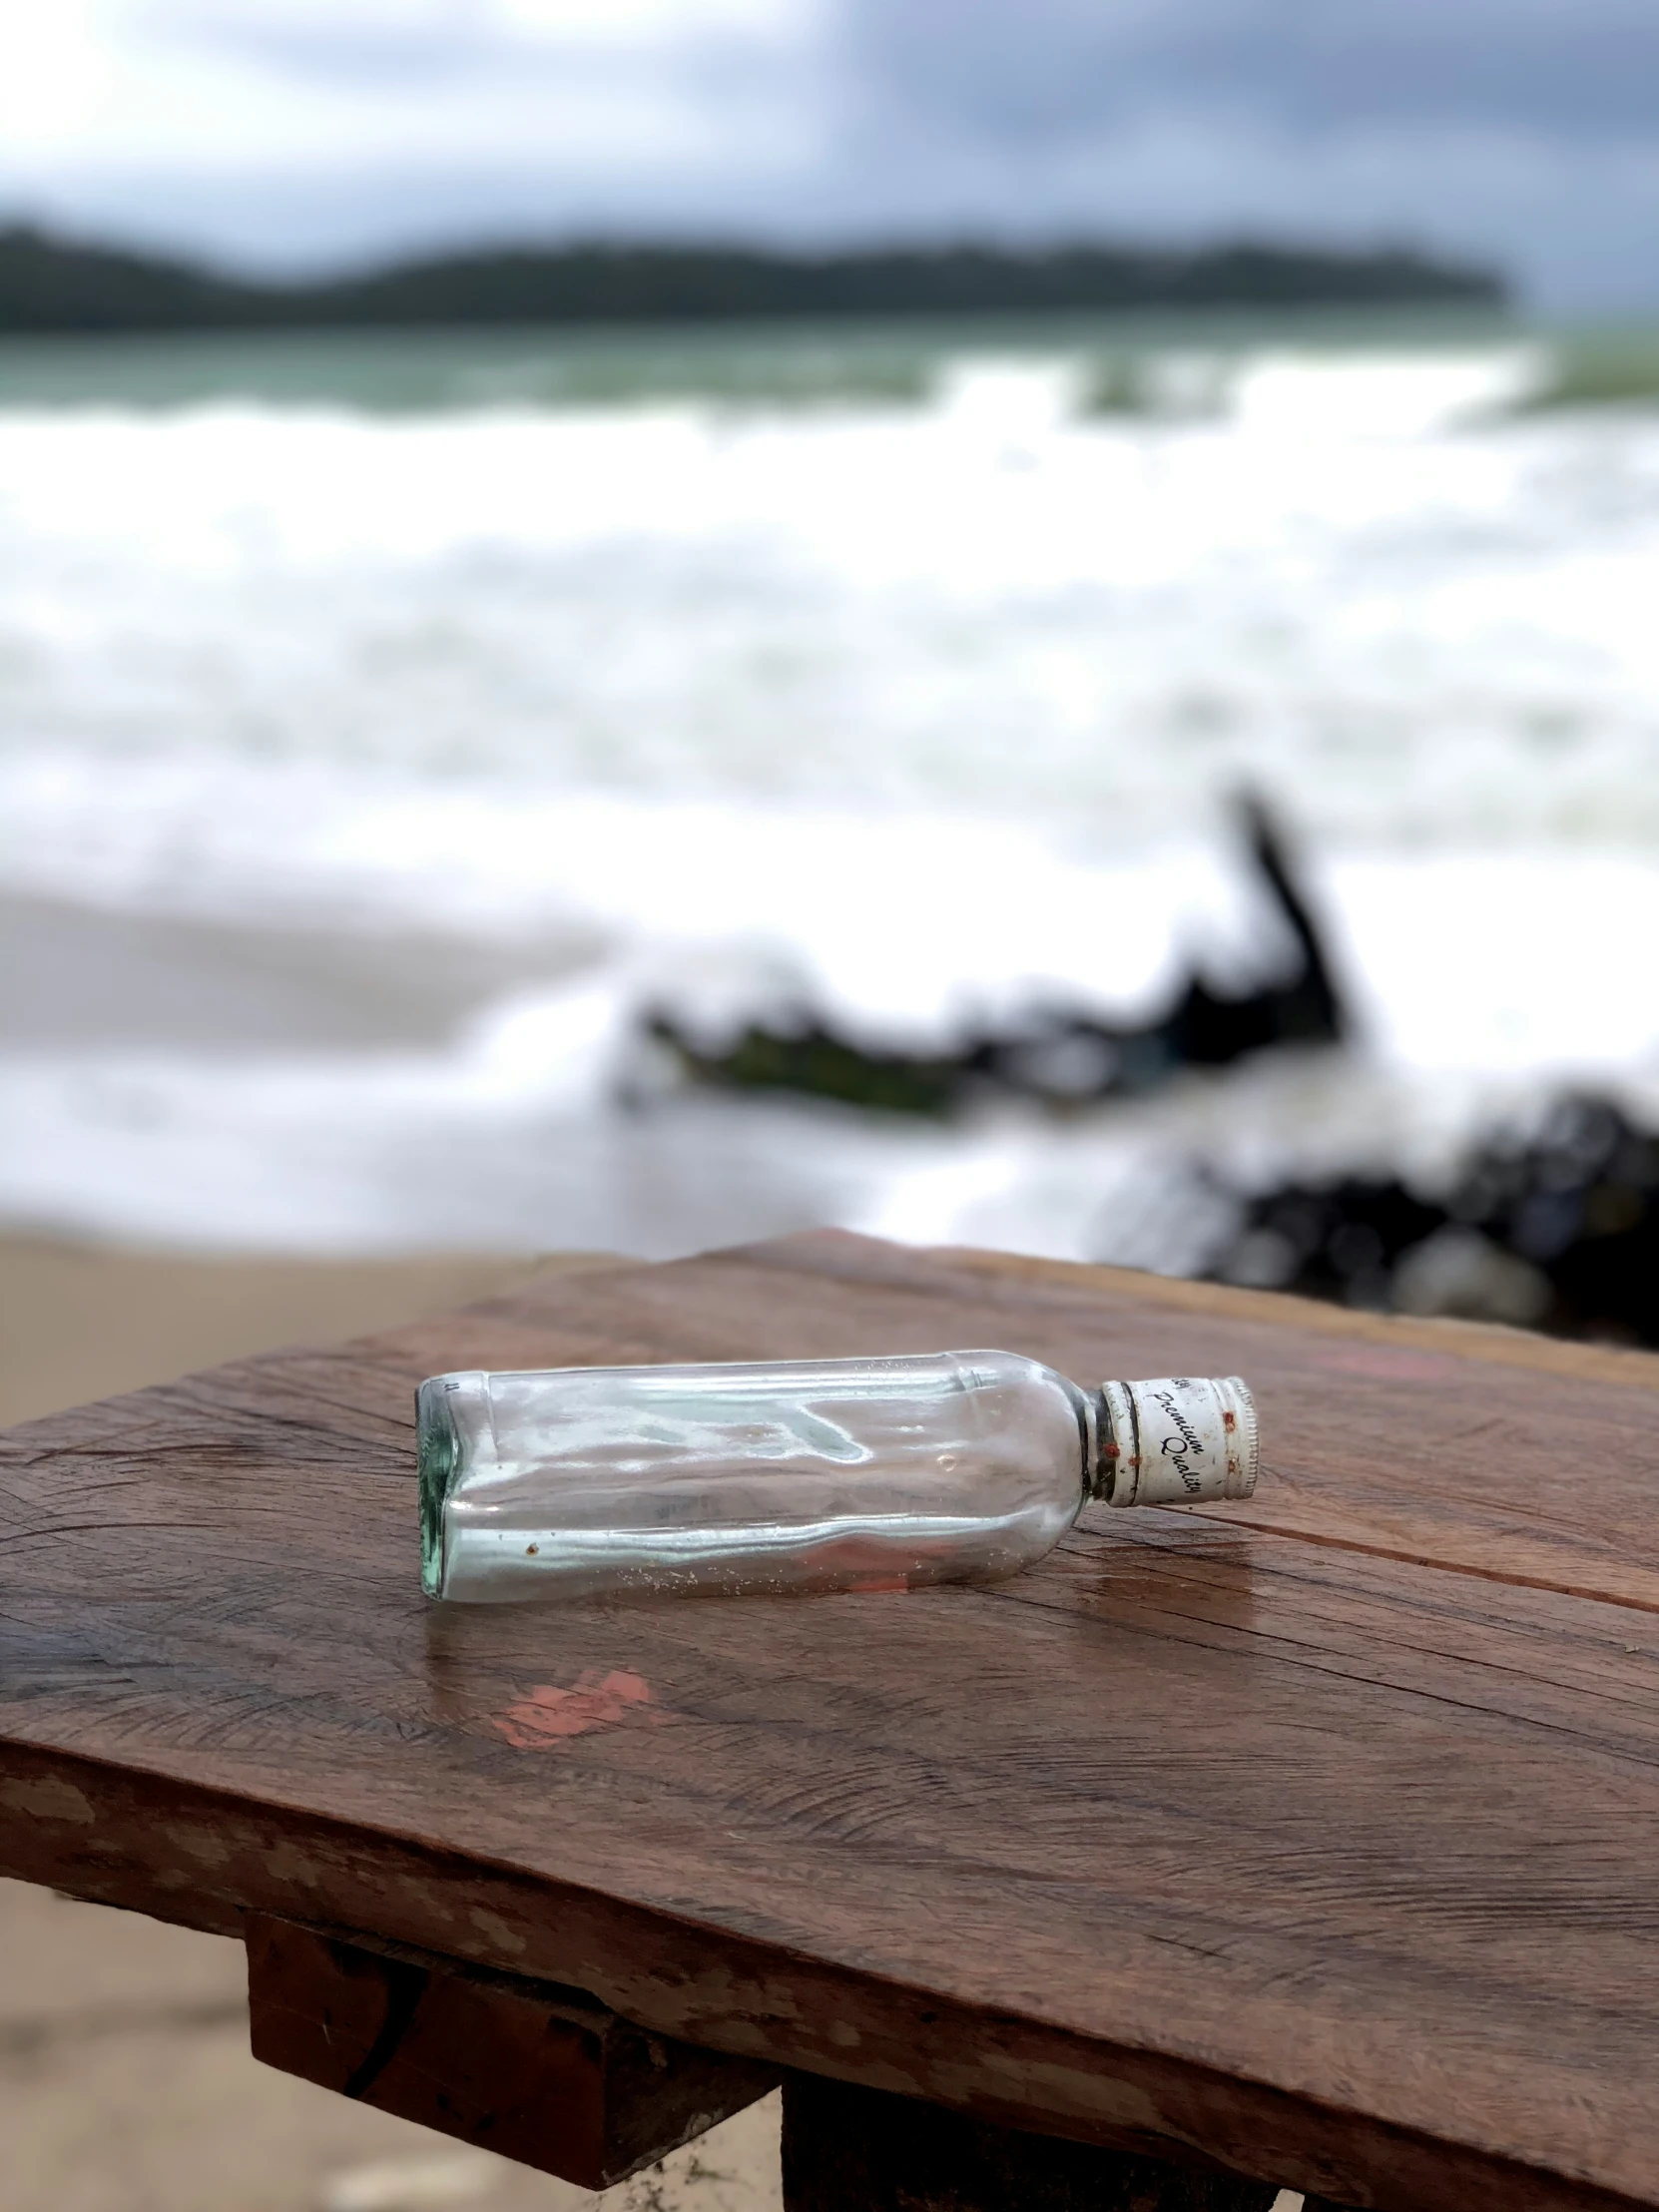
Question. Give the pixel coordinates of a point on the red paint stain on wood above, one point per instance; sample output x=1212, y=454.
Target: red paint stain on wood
x=547, y=1717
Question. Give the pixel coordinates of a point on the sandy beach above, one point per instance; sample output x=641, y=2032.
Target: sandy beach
x=79, y=1321
x=80, y=976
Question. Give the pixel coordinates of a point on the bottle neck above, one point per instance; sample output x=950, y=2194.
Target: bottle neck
x=1100, y=1449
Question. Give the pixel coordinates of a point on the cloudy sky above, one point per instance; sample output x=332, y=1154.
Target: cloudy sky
x=308, y=132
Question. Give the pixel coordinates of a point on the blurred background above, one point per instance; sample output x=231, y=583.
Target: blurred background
x=626, y=624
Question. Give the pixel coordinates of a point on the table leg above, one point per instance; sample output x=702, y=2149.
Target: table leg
x=535, y=2071
x=861, y=2150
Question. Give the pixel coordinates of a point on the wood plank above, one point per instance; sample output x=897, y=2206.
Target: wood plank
x=1314, y=1837
x=524, y=2068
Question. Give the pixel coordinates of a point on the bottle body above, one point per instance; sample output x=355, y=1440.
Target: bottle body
x=789, y=1475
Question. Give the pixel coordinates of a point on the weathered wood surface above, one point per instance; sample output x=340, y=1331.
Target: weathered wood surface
x=524, y=2068
x=1317, y=1834
x=865, y=2150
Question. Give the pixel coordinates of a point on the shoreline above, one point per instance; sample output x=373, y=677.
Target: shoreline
x=86, y=978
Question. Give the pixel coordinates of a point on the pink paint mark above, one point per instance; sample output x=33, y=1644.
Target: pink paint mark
x=546, y=1717
x=1383, y=1364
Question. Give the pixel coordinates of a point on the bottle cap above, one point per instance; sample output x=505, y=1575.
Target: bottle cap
x=1177, y=1441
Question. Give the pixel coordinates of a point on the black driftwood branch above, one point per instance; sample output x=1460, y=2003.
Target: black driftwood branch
x=1060, y=1056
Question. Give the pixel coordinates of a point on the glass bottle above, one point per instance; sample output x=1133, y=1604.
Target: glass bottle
x=801, y=1474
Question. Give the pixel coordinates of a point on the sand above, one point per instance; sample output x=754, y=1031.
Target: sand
x=89, y=978
x=126, y=2085
x=78, y=1321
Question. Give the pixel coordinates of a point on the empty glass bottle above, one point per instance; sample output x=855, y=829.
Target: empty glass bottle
x=801, y=1475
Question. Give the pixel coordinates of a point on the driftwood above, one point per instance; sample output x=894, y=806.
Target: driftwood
x=1062, y=1056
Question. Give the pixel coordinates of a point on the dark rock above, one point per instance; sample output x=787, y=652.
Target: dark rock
x=1558, y=1230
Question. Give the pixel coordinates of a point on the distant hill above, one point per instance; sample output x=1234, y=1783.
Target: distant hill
x=53, y=284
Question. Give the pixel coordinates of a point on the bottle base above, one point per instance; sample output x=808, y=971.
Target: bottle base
x=437, y=1455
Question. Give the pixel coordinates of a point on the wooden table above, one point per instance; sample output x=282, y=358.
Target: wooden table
x=1308, y=1842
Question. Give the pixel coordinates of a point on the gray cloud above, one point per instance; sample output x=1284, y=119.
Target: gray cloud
x=1023, y=72
x=1020, y=71
x=462, y=52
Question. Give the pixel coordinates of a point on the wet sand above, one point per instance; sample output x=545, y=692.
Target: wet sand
x=85, y=976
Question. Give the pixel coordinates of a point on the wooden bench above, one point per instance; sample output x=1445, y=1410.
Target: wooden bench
x=1306, y=1842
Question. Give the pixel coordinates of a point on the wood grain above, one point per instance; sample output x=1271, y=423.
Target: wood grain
x=1315, y=1835
x=524, y=2068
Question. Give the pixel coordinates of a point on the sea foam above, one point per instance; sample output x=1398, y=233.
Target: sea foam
x=918, y=711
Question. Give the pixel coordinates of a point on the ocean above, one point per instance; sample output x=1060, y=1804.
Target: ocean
x=386, y=721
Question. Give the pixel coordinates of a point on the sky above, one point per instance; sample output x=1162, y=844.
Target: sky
x=312, y=134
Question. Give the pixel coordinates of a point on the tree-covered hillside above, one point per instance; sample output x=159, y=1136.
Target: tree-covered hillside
x=53, y=284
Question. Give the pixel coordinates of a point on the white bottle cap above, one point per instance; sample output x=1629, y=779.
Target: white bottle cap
x=1177, y=1441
